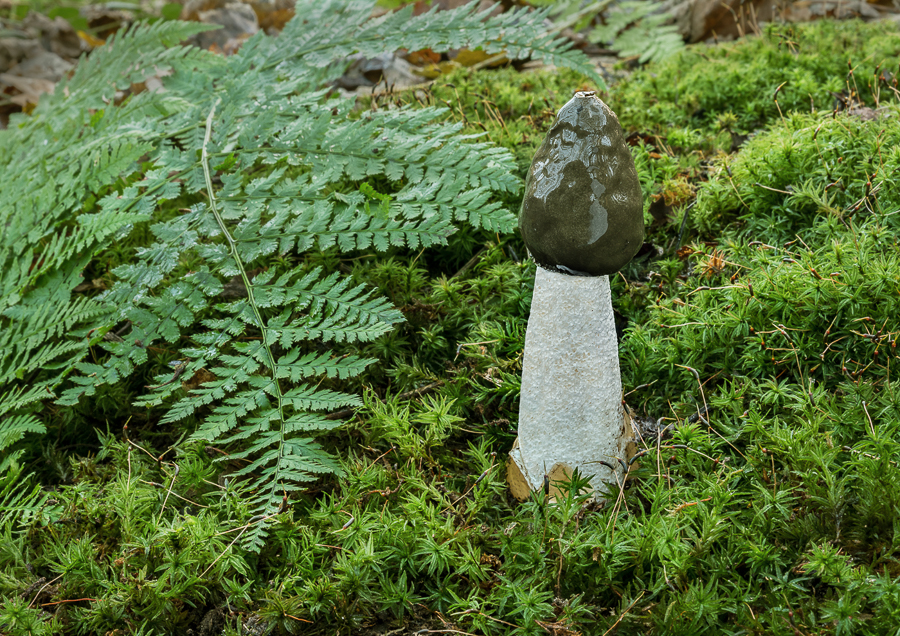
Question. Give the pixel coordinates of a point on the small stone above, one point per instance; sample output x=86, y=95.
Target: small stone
x=582, y=213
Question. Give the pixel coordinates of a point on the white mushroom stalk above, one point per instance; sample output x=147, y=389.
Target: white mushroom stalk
x=581, y=220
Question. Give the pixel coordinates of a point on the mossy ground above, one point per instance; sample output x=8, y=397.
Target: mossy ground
x=757, y=352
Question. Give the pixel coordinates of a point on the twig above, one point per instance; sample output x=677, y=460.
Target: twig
x=42, y=589
x=477, y=481
x=696, y=375
x=869, y=417
x=496, y=620
x=637, y=388
x=709, y=427
x=471, y=344
x=374, y=461
x=171, y=485
x=302, y=620
x=70, y=600
x=175, y=494
x=686, y=504
x=640, y=454
x=759, y=185
x=627, y=609
x=243, y=529
x=149, y=454
x=775, y=99
x=850, y=449
x=470, y=263
x=620, y=499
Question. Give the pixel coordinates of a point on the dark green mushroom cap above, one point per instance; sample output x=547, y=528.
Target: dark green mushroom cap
x=582, y=213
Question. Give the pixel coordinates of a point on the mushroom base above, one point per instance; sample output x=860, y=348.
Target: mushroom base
x=570, y=411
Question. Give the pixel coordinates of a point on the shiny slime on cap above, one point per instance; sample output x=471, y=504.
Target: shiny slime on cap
x=582, y=213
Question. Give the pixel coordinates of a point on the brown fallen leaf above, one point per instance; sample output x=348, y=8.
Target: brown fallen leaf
x=467, y=57
x=423, y=57
x=30, y=88
x=199, y=378
x=274, y=20
x=90, y=40
x=432, y=71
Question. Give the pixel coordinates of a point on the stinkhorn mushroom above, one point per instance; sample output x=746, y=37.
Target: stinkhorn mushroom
x=581, y=220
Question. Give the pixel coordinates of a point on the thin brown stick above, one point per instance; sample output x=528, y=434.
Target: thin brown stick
x=174, y=494
x=471, y=344
x=470, y=263
x=869, y=417
x=166, y=500
x=709, y=427
x=302, y=620
x=477, y=481
x=243, y=529
x=497, y=620
x=148, y=453
x=42, y=589
x=627, y=609
x=70, y=600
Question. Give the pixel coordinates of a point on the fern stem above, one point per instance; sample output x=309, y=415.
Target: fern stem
x=232, y=244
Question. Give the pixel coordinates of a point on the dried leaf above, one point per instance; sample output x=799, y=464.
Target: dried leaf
x=423, y=57
x=90, y=40
x=467, y=57
x=30, y=88
x=433, y=71
x=273, y=20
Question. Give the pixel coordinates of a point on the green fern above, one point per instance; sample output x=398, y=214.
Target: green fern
x=638, y=28
x=273, y=167
x=20, y=500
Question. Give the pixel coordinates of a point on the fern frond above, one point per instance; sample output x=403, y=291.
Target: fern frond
x=138, y=52
x=12, y=428
x=31, y=338
x=295, y=368
x=20, y=502
x=336, y=29
x=638, y=28
x=271, y=167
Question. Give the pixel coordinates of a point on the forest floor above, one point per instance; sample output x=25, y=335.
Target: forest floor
x=758, y=327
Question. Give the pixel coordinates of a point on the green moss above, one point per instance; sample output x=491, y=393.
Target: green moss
x=808, y=167
x=698, y=85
